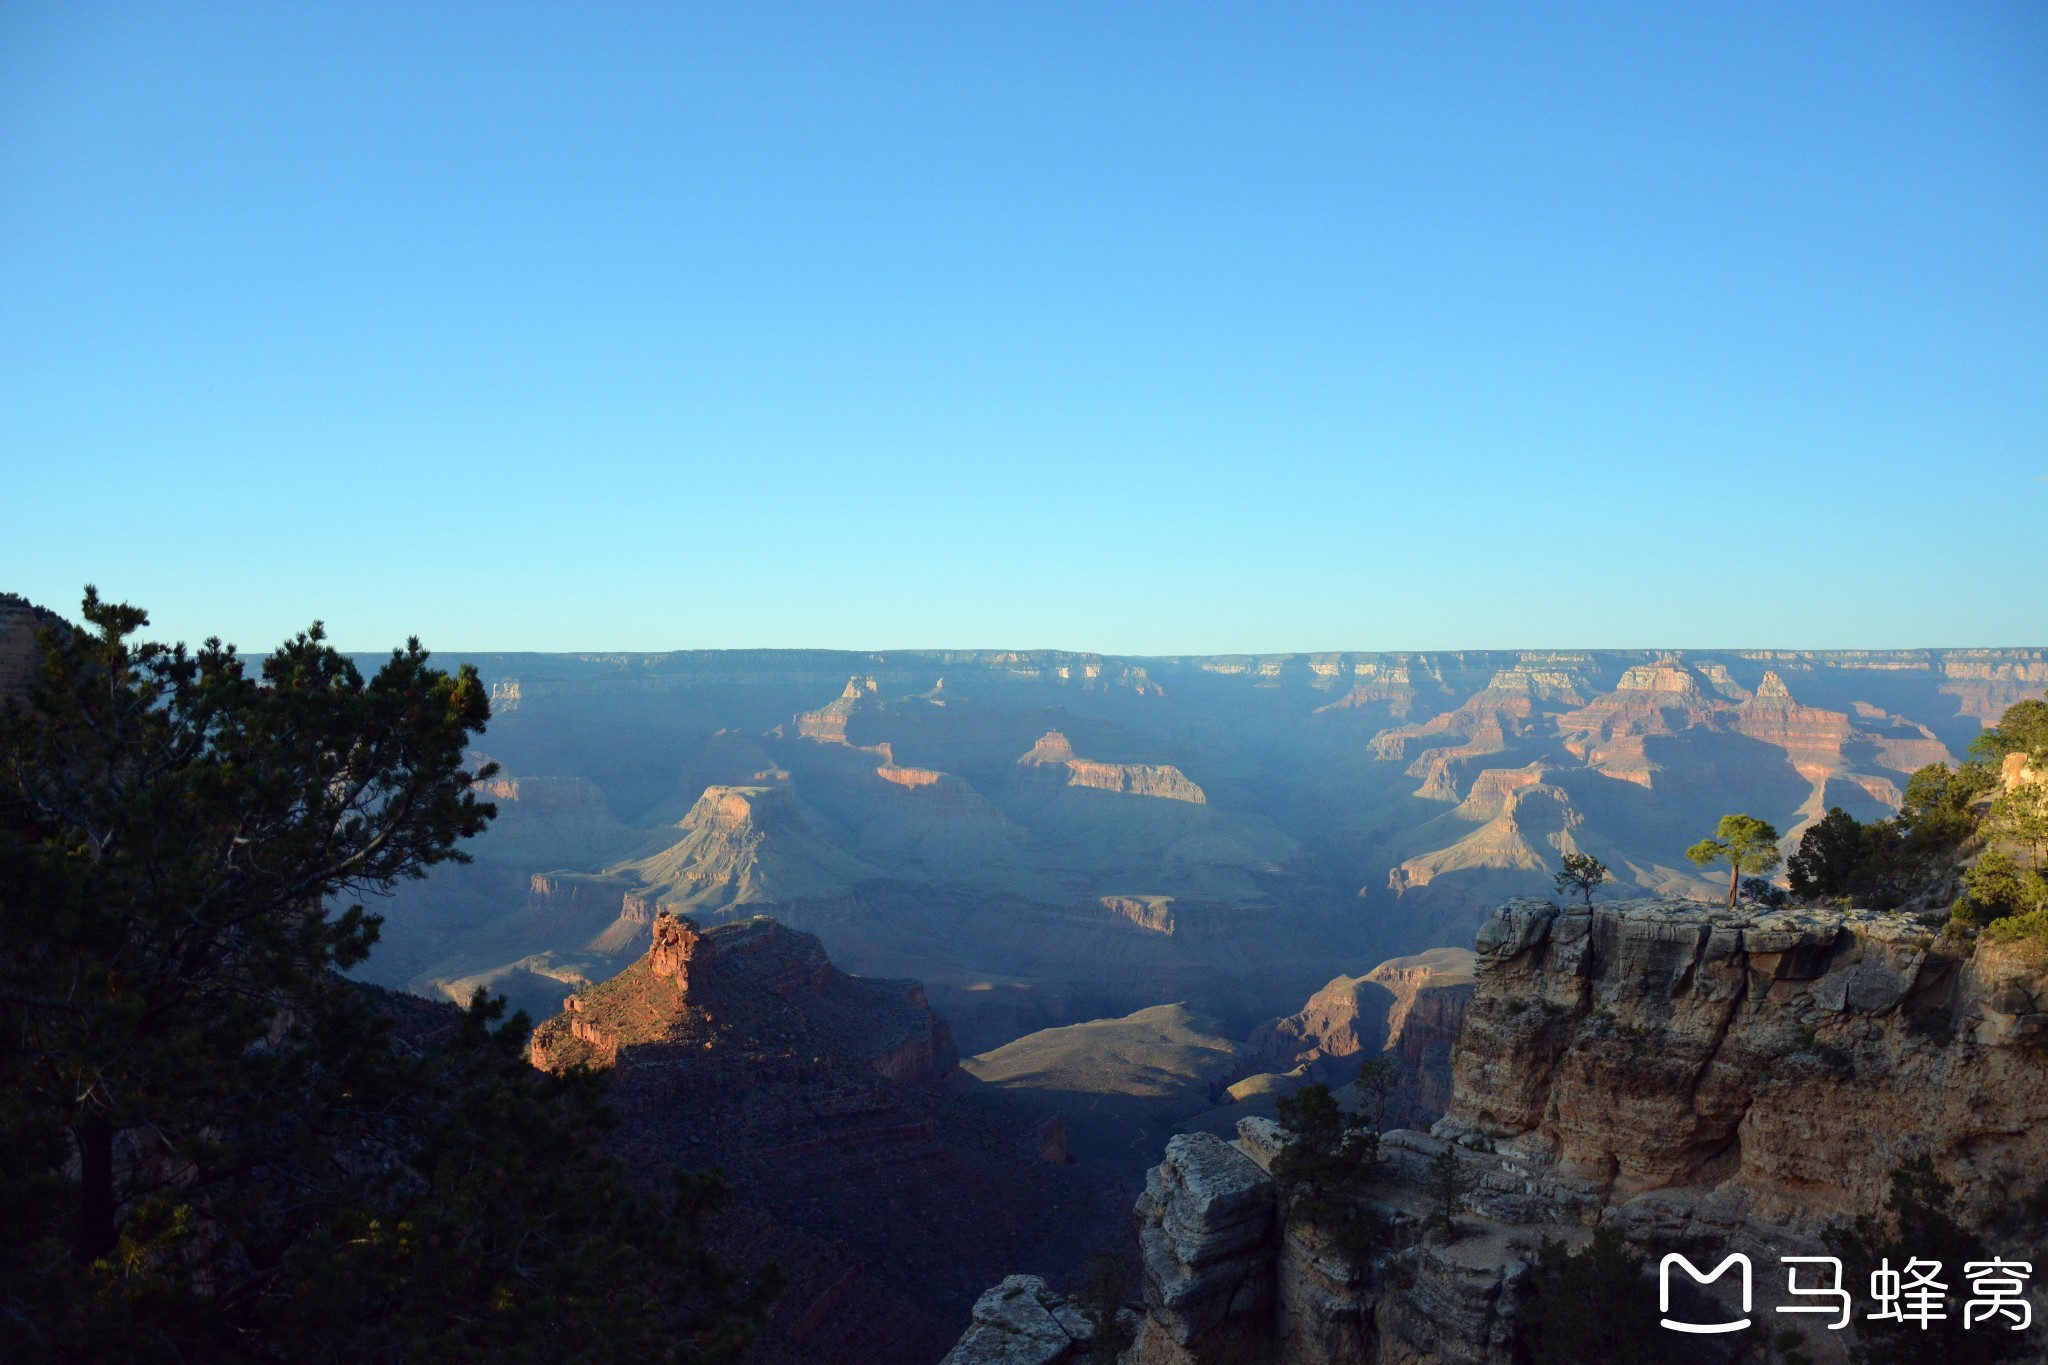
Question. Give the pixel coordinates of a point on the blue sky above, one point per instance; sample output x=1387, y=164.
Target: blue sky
x=1133, y=327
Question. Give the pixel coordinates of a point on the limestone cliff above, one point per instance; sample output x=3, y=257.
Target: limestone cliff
x=1354, y=1017
x=744, y=846
x=1135, y=779
x=21, y=622
x=887, y=1197
x=1777, y=1063
x=675, y=994
x=1702, y=1080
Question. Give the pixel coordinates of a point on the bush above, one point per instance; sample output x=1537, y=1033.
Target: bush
x=1919, y=1219
x=2031, y=927
x=1592, y=1304
x=1324, y=1170
x=1887, y=863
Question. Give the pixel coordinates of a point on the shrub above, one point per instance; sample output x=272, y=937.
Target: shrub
x=1591, y=1304
x=1323, y=1171
x=2028, y=928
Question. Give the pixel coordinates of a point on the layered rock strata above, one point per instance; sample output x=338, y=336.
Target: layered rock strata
x=1783, y=1061
x=1705, y=1081
x=887, y=1199
x=1162, y=780
x=1206, y=1229
x=1407, y=1009
x=1023, y=1322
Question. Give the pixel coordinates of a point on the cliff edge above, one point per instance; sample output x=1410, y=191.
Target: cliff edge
x=1701, y=1080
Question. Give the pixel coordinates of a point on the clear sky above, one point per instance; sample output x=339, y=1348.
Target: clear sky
x=1133, y=327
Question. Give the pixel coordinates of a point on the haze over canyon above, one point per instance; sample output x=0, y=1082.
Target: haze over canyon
x=1046, y=838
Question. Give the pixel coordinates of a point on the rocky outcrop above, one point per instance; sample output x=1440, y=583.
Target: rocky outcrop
x=21, y=626
x=746, y=846
x=1206, y=1224
x=1650, y=700
x=886, y=1196
x=1023, y=1322
x=676, y=991
x=1781, y=1062
x=1533, y=825
x=827, y=724
x=1133, y=779
x=1154, y=914
x=1703, y=1080
x=1345, y=1019
x=576, y=901
x=632, y=927
x=1407, y=1009
x=1431, y=993
x=1510, y=707
x=1985, y=682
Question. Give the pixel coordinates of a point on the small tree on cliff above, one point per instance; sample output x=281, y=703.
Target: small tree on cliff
x=1448, y=1185
x=1324, y=1170
x=1582, y=872
x=1102, y=1304
x=2021, y=815
x=2023, y=729
x=1748, y=845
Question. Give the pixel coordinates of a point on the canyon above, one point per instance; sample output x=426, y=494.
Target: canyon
x=1045, y=838
x=952, y=962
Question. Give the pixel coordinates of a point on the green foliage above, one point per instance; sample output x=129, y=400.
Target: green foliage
x=1887, y=863
x=1939, y=802
x=1763, y=891
x=2023, y=729
x=1919, y=1219
x=1594, y=1304
x=212, y=1146
x=1997, y=886
x=1581, y=873
x=1326, y=1167
x=2031, y=927
x=1101, y=1302
x=1748, y=845
x=1448, y=1185
x=2021, y=815
x=1837, y=856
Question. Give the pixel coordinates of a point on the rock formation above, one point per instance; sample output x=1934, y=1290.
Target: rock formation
x=1776, y=1064
x=1531, y=825
x=902, y=825
x=746, y=846
x=664, y=1001
x=1206, y=1232
x=1154, y=914
x=827, y=724
x=1123, y=1083
x=1135, y=779
x=1702, y=1080
x=21, y=624
x=887, y=1199
x=1023, y=1322
x=1407, y=1009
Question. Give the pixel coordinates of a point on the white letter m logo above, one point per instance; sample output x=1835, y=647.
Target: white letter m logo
x=1664, y=1291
